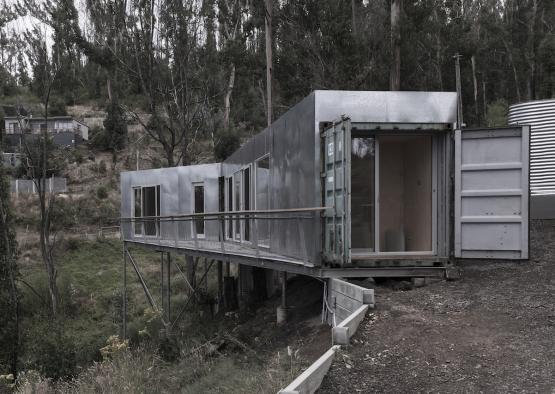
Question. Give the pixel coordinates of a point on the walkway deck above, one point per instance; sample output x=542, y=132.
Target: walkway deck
x=244, y=254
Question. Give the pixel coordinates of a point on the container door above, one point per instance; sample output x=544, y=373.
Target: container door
x=491, y=193
x=336, y=185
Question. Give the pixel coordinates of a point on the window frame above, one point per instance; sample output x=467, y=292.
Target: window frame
x=194, y=185
x=157, y=209
x=228, y=208
x=237, y=224
x=248, y=167
x=255, y=182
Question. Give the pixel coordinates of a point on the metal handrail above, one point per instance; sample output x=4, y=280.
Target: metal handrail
x=228, y=213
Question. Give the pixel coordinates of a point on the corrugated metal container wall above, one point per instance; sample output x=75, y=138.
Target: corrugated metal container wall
x=540, y=115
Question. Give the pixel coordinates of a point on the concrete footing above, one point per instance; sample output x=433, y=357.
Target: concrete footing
x=281, y=315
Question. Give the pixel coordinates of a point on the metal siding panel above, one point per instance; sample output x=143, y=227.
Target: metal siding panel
x=491, y=193
x=386, y=107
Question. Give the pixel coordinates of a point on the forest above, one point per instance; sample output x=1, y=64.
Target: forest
x=208, y=74
x=199, y=67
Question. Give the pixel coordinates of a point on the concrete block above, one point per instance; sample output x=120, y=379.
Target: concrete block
x=311, y=379
x=347, y=328
x=346, y=302
x=359, y=293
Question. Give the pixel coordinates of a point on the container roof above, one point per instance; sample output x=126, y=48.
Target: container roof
x=386, y=107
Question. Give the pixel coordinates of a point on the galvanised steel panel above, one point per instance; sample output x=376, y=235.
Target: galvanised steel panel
x=175, y=196
x=540, y=115
x=491, y=193
x=386, y=107
x=295, y=165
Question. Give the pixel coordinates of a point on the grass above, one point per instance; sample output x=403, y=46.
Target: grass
x=90, y=280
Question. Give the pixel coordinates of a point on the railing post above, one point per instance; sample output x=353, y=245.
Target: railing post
x=175, y=231
x=222, y=233
x=194, y=231
x=255, y=238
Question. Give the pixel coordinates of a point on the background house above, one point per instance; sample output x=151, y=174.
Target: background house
x=65, y=130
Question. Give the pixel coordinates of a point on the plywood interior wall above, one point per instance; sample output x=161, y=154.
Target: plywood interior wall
x=405, y=193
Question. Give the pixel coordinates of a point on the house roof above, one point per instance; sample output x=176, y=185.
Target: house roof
x=65, y=117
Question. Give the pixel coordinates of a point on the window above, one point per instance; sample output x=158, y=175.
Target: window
x=262, y=199
x=146, y=208
x=229, y=222
x=237, y=204
x=221, y=205
x=198, y=207
x=246, y=202
x=137, y=211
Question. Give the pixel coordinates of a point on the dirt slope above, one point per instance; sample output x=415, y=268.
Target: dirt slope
x=491, y=331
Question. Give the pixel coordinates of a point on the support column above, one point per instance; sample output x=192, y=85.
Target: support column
x=230, y=290
x=165, y=285
x=220, y=286
x=281, y=313
x=124, y=295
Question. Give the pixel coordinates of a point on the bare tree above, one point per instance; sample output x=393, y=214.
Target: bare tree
x=268, y=6
x=395, y=70
x=37, y=149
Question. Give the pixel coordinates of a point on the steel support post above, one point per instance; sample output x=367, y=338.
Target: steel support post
x=281, y=313
x=220, y=285
x=166, y=285
x=124, y=293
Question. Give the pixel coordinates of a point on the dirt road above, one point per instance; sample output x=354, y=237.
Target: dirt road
x=491, y=331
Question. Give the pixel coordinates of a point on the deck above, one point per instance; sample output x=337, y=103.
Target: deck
x=240, y=253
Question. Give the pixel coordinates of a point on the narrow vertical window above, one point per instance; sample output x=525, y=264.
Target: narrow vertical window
x=137, y=211
x=230, y=206
x=237, y=204
x=150, y=211
x=221, y=205
x=262, y=199
x=198, y=191
x=246, y=202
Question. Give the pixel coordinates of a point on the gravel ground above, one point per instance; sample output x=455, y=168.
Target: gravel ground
x=491, y=331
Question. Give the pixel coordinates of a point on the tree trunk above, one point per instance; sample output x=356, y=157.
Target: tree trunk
x=515, y=73
x=475, y=84
x=353, y=17
x=268, y=19
x=227, y=99
x=531, y=54
x=395, y=70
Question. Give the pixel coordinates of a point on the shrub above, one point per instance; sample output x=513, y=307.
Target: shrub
x=101, y=193
x=228, y=143
x=51, y=352
x=496, y=115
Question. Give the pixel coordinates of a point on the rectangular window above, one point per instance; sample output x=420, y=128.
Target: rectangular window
x=221, y=205
x=137, y=211
x=146, y=208
x=246, y=202
x=229, y=222
x=237, y=204
x=262, y=199
x=198, y=201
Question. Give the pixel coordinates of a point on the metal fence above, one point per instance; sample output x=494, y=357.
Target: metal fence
x=28, y=186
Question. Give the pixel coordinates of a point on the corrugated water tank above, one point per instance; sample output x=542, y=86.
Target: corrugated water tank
x=540, y=115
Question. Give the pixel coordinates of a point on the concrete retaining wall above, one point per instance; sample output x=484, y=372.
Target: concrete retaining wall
x=311, y=379
x=345, y=298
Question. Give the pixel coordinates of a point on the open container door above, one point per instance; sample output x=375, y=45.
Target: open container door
x=336, y=186
x=491, y=193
